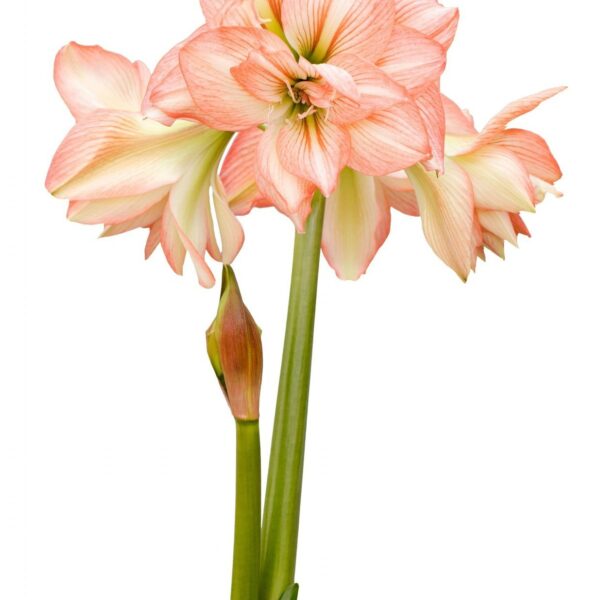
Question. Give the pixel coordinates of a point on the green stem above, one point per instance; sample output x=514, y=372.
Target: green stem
x=284, y=485
x=246, y=550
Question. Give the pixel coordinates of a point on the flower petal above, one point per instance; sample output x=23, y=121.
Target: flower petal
x=230, y=230
x=114, y=210
x=375, y=90
x=238, y=173
x=314, y=148
x=170, y=241
x=290, y=194
x=320, y=29
x=429, y=17
x=207, y=61
x=412, y=59
x=90, y=78
x=533, y=152
x=388, y=141
x=500, y=180
x=167, y=90
x=230, y=13
x=112, y=155
x=399, y=193
x=447, y=209
x=429, y=102
x=145, y=219
x=499, y=223
x=458, y=121
x=357, y=222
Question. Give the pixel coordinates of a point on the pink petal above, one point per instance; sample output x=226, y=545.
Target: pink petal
x=167, y=89
x=171, y=243
x=238, y=172
x=458, y=121
x=230, y=13
x=357, y=222
x=290, y=194
x=267, y=75
x=230, y=230
x=112, y=155
x=269, y=9
x=388, y=141
x=412, y=59
x=429, y=102
x=320, y=29
x=499, y=223
x=207, y=62
x=500, y=180
x=314, y=148
x=399, y=193
x=145, y=219
x=153, y=239
x=376, y=90
x=446, y=207
x=519, y=225
x=430, y=18
x=114, y=210
x=533, y=152
x=90, y=78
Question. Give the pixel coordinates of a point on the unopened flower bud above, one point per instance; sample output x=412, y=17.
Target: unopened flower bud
x=235, y=351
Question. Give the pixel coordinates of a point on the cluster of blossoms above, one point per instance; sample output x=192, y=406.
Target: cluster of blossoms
x=272, y=101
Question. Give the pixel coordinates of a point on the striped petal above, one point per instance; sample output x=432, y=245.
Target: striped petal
x=90, y=78
x=412, y=59
x=431, y=110
x=430, y=18
x=230, y=13
x=388, y=141
x=207, y=62
x=289, y=193
x=500, y=180
x=357, y=222
x=399, y=193
x=314, y=148
x=446, y=205
x=112, y=155
x=320, y=29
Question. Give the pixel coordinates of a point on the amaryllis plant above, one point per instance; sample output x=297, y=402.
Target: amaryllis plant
x=331, y=112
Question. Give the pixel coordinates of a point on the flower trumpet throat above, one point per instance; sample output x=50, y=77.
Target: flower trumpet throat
x=234, y=348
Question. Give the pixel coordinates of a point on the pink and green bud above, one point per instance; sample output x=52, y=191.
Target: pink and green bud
x=234, y=348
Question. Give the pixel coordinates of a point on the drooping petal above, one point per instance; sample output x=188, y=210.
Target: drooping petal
x=90, y=78
x=499, y=223
x=207, y=61
x=388, y=141
x=412, y=59
x=230, y=230
x=153, y=239
x=113, y=155
x=519, y=225
x=429, y=102
x=357, y=222
x=430, y=18
x=238, y=173
x=114, y=210
x=289, y=193
x=189, y=203
x=500, y=180
x=314, y=148
x=446, y=205
x=458, y=121
x=145, y=219
x=533, y=152
x=170, y=241
x=230, y=13
x=399, y=193
x=320, y=29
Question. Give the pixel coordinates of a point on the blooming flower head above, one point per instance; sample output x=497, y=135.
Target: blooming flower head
x=489, y=179
x=122, y=169
x=334, y=83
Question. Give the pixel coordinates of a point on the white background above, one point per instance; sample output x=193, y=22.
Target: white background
x=454, y=446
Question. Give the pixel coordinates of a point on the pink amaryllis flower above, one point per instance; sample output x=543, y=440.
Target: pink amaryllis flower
x=120, y=168
x=333, y=83
x=490, y=178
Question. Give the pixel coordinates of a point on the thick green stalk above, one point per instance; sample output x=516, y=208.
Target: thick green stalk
x=284, y=485
x=246, y=550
